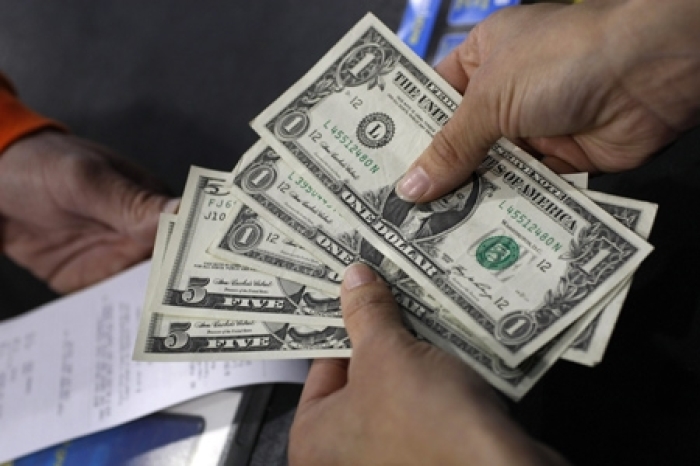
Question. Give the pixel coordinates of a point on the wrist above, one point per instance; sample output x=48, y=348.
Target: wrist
x=485, y=434
x=653, y=47
x=18, y=121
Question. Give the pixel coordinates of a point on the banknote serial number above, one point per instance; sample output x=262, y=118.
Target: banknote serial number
x=305, y=186
x=349, y=144
x=531, y=227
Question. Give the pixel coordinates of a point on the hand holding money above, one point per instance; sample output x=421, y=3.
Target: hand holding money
x=536, y=73
x=506, y=272
x=378, y=409
x=516, y=255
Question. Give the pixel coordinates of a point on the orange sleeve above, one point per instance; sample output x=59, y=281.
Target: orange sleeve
x=16, y=120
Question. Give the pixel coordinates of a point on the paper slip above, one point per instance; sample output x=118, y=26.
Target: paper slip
x=66, y=368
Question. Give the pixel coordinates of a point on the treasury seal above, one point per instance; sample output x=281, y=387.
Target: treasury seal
x=497, y=252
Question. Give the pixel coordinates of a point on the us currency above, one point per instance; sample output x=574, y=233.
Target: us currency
x=289, y=202
x=251, y=241
x=165, y=337
x=166, y=224
x=183, y=338
x=444, y=331
x=439, y=329
x=577, y=180
x=427, y=318
x=248, y=238
x=277, y=203
x=584, y=342
x=192, y=283
x=516, y=254
x=590, y=344
x=162, y=345
x=292, y=205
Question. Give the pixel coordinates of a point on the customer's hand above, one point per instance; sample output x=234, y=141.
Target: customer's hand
x=73, y=213
x=400, y=401
x=597, y=86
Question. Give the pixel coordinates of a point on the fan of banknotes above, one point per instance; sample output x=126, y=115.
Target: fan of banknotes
x=512, y=271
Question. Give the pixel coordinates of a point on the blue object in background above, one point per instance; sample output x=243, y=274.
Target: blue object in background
x=158, y=439
x=417, y=24
x=470, y=12
x=446, y=44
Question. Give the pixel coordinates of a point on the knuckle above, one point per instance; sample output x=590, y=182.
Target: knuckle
x=446, y=154
x=78, y=165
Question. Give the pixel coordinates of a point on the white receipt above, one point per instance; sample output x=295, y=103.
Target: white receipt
x=66, y=368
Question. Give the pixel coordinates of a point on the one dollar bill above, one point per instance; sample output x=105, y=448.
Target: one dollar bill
x=516, y=254
x=193, y=283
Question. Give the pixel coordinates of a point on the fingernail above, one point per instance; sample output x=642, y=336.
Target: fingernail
x=413, y=185
x=171, y=206
x=356, y=275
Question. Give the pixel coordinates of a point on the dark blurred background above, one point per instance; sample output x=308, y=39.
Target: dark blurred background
x=174, y=83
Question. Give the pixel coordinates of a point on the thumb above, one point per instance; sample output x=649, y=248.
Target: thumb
x=369, y=308
x=455, y=151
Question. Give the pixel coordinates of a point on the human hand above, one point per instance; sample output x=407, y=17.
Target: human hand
x=400, y=401
x=73, y=213
x=597, y=86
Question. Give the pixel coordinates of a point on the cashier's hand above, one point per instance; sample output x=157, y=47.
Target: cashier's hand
x=400, y=401
x=73, y=213
x=596, y=86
